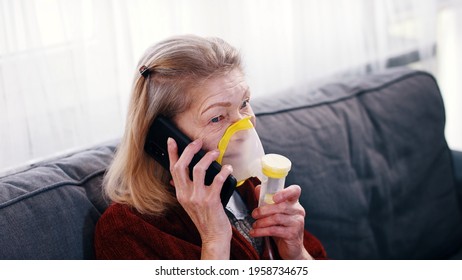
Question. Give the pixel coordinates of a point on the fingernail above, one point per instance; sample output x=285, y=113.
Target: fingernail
x=216, y=154
x=169, y=141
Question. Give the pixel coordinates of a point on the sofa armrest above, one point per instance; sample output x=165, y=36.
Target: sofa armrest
x=457, y=163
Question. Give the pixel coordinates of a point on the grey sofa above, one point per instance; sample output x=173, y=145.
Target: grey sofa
x=378, y=179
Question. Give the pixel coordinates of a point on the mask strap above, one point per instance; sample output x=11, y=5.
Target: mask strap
x=242, y=124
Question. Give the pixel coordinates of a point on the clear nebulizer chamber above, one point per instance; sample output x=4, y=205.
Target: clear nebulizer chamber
x=275, y=168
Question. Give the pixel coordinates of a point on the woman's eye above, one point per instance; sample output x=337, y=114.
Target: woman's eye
x=244, y=103
x=216, y=119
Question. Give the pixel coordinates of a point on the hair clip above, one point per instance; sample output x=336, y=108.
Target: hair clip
x=144, y=71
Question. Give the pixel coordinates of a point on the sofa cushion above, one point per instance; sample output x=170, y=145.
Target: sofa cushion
x=373, y=163
x=50, y=210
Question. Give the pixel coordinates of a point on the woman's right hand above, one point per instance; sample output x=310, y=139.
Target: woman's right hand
x=201, y=202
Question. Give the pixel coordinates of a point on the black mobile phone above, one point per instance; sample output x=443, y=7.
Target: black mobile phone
x=156, y=146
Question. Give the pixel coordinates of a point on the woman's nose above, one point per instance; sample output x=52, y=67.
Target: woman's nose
x=237, y=117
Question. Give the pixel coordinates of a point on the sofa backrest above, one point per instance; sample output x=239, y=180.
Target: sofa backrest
x=369, y=154
x=50, y=210
x=372, y=160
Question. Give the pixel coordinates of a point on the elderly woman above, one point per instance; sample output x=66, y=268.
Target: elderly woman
x=197, y=83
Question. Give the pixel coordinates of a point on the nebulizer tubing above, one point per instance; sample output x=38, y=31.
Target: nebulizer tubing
x=275, y=169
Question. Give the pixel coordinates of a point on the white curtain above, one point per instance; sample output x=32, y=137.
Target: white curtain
x=66, y=66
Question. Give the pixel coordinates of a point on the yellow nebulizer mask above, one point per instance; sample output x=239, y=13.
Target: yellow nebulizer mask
x=241, y=148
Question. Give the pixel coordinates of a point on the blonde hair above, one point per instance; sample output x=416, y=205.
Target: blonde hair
x=175, y=67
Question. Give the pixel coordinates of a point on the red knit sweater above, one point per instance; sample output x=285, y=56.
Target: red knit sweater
x=124, y=233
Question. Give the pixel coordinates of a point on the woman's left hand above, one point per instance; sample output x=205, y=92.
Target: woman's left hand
x=285, y=221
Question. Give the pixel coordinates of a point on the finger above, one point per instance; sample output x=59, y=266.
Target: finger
x=285, y=207
x=172, y=149
x=273, y=220
x=260, y=232
x=257, y=191
x=280, y=220
x=274, y=231
x=201, y=167
x=220, y=178
x=180, y=164
x=291, y=193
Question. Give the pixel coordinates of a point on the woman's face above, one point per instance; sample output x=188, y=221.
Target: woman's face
x=217, y=103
